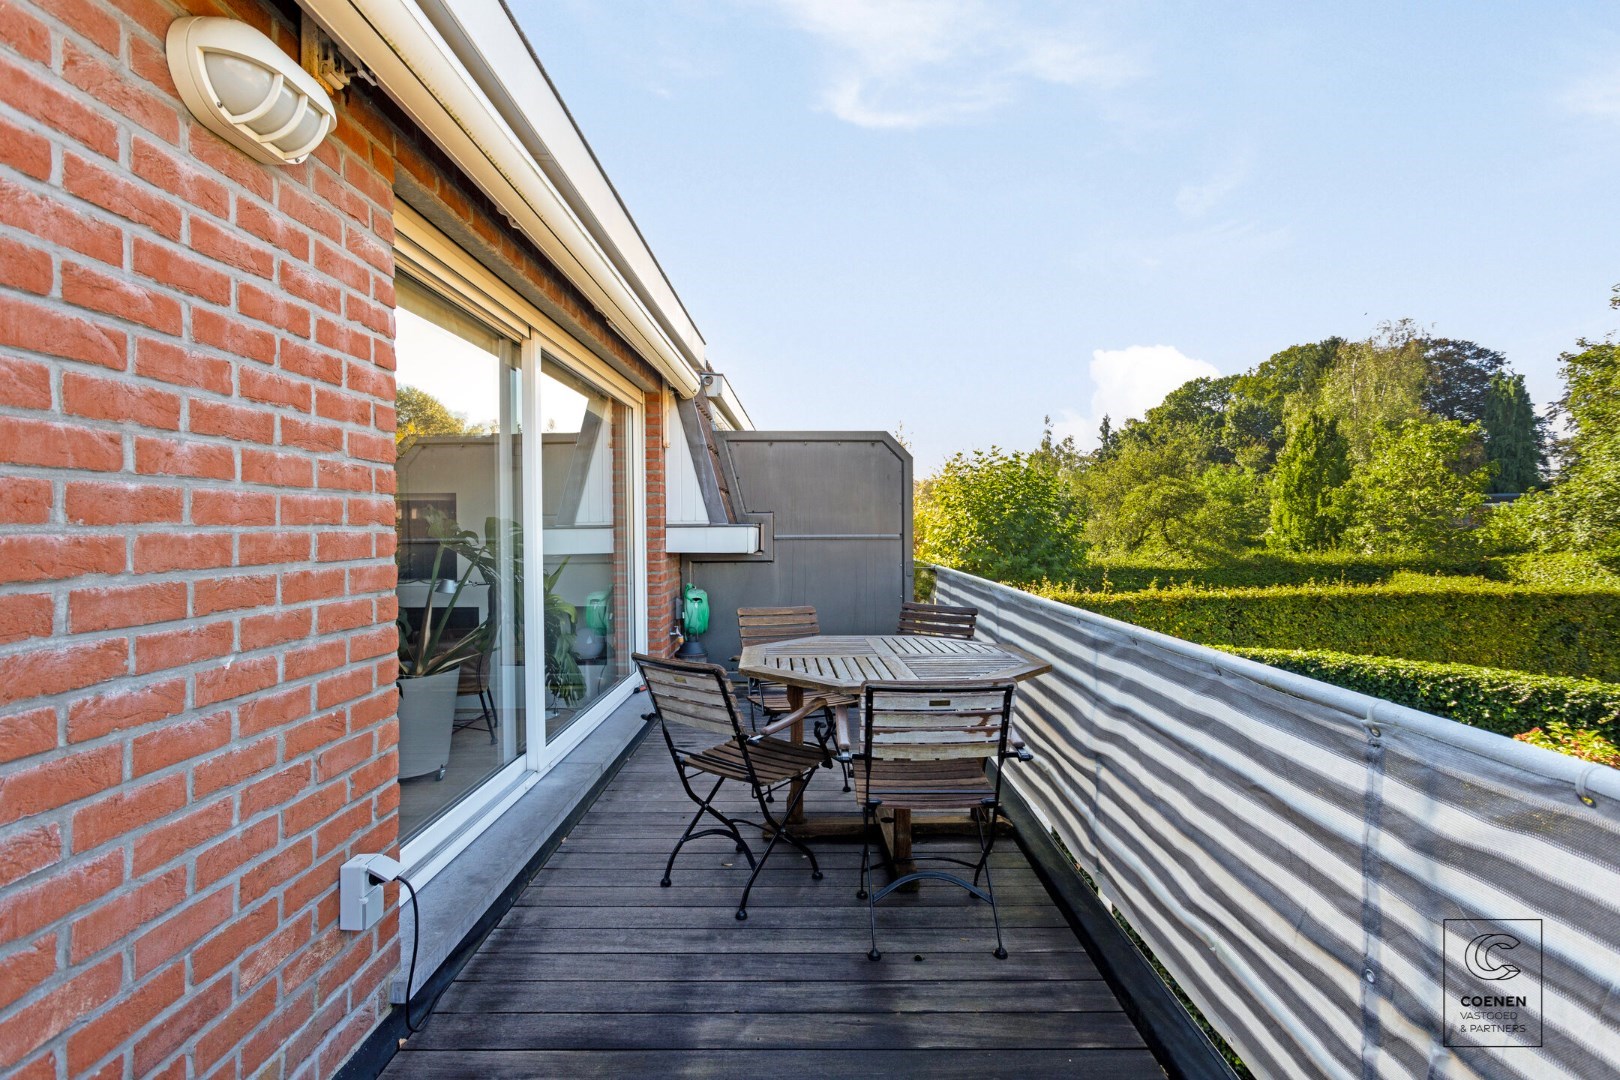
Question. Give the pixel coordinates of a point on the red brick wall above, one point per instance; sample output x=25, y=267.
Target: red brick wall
x=196, y=558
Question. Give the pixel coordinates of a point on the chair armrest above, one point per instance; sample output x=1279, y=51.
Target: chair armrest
x=815, y=704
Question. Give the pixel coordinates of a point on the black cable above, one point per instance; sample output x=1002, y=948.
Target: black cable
x=410, y=975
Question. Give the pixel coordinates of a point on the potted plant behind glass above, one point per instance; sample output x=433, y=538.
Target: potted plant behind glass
x=564, y=684
x=429, y=675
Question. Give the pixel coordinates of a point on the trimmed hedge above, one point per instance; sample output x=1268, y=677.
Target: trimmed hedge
x=1264, y=568
x=1548, y=631
x=1506, y=702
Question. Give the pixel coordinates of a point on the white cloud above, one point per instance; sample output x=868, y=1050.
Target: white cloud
x=1597, y=95
x=918, y=63
x=1126, y=383
x=1196, y=200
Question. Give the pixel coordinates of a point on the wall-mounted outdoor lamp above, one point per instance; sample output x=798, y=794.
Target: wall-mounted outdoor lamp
x=246, y=90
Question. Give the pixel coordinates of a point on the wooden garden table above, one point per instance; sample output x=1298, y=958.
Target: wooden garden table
x=836, y=664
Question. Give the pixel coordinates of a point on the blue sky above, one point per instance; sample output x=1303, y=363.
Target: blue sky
x=960, y=216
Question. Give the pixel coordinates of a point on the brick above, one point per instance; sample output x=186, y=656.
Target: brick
x=26, y=325
x=371, y=249
x=120, y=298
x=24, y=384
x=177, y=648
x=90, y=503
x=225, y=1032
x=374, y=317
x=224, y=331
x=25, y=501
x=277, y=870
x=272, y=309
x=366, y=579
x=312, y=510
x=281, y=470
x=379, y=772
x=106, y=85
x=30, y=908
x=127, y=809
x=333, y=546
x=116, y=918
x=63, y=446
x=178, y=457
x=138, y=1008
x=25, y=734
x=184, y=834
x=45, y=101
x=336, y=689
x=314, y=733
x=231, y=421
x=292, y=1018
x=301, y=586
x=174, y=743
x=91, y=718
x=88, y=19
x=275, y=389
x=159, y=552
x=342, y=476
x=29, y=851
x=276, y=628
x=365, y=378
x=237, y=937
x=258, y=549
x=25, y=151
x=233, y=593
x=117, y=607
x=54, y=671
x=231, y=247
x=180, y=271
x=114, y=192
x=172, y=363
x=236, y=849
x=273, y=228
x=304, y=209
x=24, y=616
x=230, y=507
x=233, y=680
x=228, y=769
x=315, y=437
x=26, y=969
x=346, y=408
x=342, y=267
x=343, y=757
x=29, y=1028
x=343, y=615
x=112, y=399
x=334, y=334
x=178, y=1027
x=25, y=267
x=314, y=659
x=179, y=178
x=307, y=888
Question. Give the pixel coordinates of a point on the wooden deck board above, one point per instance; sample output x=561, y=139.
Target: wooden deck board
x=597, y=971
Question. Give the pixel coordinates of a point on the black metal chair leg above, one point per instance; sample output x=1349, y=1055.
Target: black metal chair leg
x=778, y=831
x=985, y=844
x=703, y=806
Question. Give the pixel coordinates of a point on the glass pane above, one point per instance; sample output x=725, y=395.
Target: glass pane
x=583, y=478
x=458, y=509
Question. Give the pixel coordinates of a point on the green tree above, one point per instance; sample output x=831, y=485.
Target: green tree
x=1420, y=489
x=419, y=413
x=1310, y=499
x=1256, y=413
x=1009, y=517
x=1513, y=437
x=1375, y=386
x=1458, y=377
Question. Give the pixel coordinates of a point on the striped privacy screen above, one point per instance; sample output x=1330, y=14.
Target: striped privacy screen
x=1345, y=887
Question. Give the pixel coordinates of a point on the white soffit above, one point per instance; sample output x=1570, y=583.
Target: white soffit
x=415, y=65
x=711, y=539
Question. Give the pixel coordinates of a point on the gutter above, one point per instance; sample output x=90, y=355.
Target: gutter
x=414, y=64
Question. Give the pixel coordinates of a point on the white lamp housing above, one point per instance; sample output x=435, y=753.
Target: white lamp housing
x=247, y=91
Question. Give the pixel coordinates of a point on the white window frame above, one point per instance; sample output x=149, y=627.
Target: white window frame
x=431, y=258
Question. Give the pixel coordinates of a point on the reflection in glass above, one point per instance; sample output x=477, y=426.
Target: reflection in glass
x=458, y=510
x=583, y=480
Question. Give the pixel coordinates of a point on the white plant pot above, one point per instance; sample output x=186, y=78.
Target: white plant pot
x=427, y=715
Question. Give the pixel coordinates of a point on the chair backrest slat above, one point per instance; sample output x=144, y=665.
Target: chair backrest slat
x=762, y=626
x=945, y=722
x=698, y=695
x=937, y=620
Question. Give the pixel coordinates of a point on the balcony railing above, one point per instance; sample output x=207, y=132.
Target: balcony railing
x=1292, y=852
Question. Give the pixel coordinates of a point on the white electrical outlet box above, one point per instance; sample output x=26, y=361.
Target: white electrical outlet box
x=360, y=890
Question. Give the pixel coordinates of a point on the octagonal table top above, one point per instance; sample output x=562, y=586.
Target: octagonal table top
x=841, y=663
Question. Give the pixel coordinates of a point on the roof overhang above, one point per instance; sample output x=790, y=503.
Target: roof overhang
x=511, y=134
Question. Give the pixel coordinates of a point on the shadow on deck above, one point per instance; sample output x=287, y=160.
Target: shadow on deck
x=597, y=971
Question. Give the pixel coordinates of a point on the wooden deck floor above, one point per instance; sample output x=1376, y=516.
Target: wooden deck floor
x=597, y=971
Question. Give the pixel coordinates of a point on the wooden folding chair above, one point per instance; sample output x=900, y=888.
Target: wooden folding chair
x=699, y=695
x=925, y=748
x=763, y=626
x=937, y=620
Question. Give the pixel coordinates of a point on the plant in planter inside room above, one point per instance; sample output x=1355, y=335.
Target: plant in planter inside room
x=563, y=678
x=429, y=676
